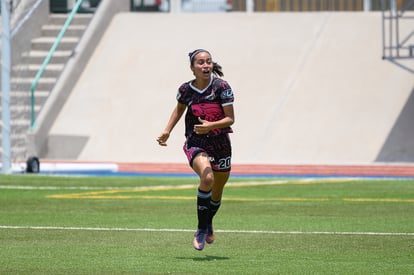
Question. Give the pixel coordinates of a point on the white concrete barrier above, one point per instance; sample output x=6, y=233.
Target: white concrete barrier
x=309, y=87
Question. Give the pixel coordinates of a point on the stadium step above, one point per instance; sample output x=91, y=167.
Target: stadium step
x=21, y=113
x=46, y=43
x=54, y=30
x=79, y=19
x=25, y=83
x=38, y=57
x=23, y=98
x=18, y=123
x=30, y=70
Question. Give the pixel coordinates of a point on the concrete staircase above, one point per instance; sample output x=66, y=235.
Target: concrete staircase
x=24, y=74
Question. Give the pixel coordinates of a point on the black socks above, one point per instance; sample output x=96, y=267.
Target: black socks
x=203, y=208
x=214, y=207
x=206, y=209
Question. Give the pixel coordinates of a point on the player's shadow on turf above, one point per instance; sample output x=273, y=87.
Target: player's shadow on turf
x=206, y=258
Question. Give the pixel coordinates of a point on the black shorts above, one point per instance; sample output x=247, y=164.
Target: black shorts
x=217, y=147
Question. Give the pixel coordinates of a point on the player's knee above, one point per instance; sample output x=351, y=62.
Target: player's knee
x=207, y=178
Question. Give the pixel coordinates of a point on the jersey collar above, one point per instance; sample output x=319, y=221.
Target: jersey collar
x=203, y=90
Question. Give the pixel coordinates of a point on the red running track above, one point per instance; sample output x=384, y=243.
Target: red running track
x=373, y=170
x=360, y=170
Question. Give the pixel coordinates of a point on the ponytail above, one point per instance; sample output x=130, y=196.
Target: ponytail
x=217, y=69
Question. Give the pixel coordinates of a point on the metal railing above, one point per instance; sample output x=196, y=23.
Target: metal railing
x=395, y=43
x=48, y=58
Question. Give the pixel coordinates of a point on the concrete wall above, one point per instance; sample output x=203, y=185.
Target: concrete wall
x=310, y=88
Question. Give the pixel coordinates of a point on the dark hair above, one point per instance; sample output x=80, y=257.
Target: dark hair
x=217, y=69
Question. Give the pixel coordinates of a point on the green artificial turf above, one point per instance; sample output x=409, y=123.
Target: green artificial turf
x=145, y=225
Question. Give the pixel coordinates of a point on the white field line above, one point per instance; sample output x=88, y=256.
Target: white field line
x=115, y=229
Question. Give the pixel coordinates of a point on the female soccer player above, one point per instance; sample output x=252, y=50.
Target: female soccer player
x=209, y=103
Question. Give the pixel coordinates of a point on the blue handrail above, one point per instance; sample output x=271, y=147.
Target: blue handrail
x=49, y=57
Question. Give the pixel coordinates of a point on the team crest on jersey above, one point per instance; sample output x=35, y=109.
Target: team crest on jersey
x=227, y=94
x=211, y=96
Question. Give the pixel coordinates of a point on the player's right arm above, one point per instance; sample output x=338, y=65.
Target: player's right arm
x=174, y=118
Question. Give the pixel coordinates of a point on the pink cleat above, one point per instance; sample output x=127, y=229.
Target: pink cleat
x=199, y=239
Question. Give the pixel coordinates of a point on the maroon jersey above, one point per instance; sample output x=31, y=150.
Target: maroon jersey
x=207, y=104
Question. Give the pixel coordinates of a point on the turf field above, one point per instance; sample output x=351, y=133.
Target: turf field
x=144, y=225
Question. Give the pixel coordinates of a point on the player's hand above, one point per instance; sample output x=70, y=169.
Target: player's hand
x=203, y=128
x=162, y=139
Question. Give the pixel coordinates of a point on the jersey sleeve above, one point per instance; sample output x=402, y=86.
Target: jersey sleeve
x=226, y=94
x=181, y=93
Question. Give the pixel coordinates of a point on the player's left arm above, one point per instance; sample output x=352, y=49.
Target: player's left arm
x=225, y=122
